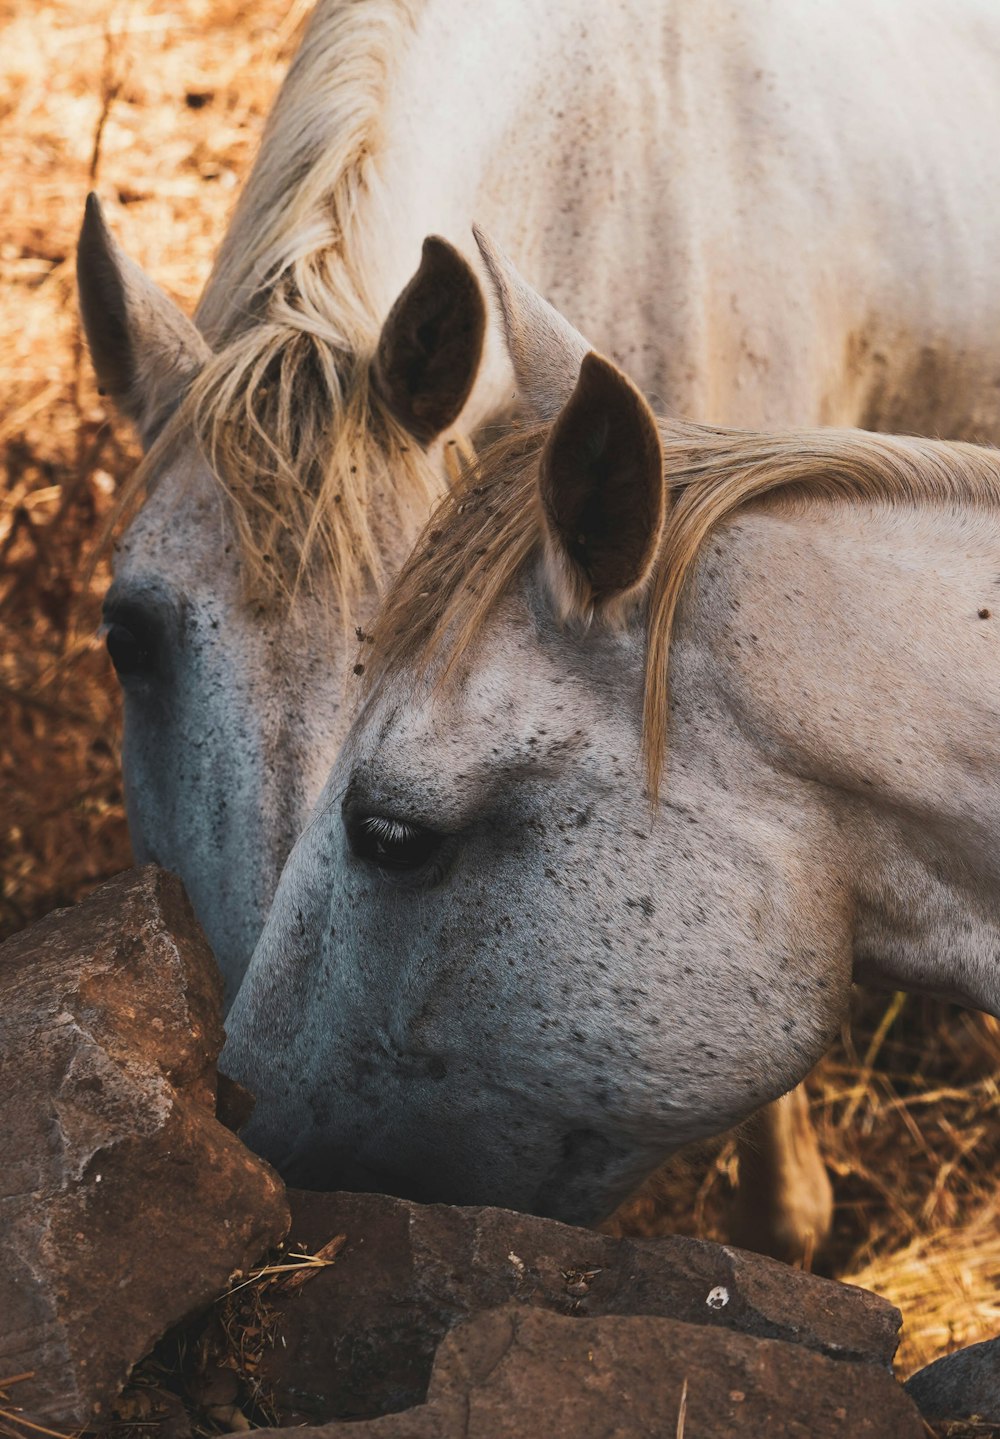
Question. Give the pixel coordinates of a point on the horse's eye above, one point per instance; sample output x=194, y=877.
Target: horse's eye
x=393, y=844
x=130, y=653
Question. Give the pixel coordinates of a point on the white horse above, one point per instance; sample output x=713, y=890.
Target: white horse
x=772, y=212
x=552, y=917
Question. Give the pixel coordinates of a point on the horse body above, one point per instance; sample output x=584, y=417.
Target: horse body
x=769, y=214
x=493, y=971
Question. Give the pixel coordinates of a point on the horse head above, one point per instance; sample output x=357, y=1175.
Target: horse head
x=232, y=656
x=498, y=969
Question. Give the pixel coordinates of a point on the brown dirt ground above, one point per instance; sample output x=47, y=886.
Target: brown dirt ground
x=159, y=104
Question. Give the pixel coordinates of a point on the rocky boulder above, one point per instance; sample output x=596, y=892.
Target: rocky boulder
x=124, y=1203
x=516, y=1372
x=360, y=1339
x=963, y=1385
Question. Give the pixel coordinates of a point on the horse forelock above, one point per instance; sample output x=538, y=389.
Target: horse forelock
x=484, y=534
x=283, y=411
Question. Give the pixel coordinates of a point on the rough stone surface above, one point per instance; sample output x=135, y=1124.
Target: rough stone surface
x=962, y=1385
x=124, y=1203
x=359, y=1339
x=516, y=1373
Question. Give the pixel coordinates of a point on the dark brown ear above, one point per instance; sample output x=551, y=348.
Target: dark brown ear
x=145, y=350
x=430, y=346
x=601, y=488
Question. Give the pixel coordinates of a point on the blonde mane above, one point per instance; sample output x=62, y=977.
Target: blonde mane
x=483, y=535
x=283, y=411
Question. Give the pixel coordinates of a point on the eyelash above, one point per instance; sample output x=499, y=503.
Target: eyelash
x=391, y=831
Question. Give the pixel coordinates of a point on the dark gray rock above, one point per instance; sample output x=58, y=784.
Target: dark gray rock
x=124, y=1204
x=963, y=1385
x=360, y=1338
x=520, y=1373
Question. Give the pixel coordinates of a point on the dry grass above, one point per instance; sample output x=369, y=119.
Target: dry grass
x=162, y=103
x=208, y=1370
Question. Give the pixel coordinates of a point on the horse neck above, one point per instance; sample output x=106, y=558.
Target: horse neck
x=857, y=647
x=508, y=138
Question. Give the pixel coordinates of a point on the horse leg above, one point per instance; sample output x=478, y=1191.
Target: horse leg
x=784, y=1203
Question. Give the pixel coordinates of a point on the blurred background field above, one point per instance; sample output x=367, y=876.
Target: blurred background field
x=159, y=107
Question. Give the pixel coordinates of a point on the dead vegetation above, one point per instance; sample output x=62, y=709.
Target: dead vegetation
x=160, y=106
x=203, y=1377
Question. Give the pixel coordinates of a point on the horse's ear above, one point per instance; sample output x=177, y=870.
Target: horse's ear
x=544, y=348
x=431, y=344
x=601, y=490
x=145, y=351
